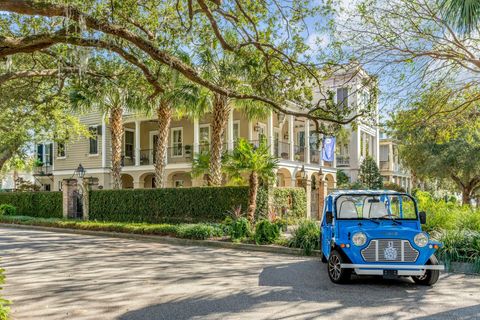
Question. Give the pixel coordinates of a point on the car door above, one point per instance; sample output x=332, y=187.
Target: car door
x=327, y=228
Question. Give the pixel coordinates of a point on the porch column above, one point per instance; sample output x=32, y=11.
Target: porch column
x=308, y=191
x=230, y=131
x=137, y=143
x=250, y=130
x=320, y=149
x=307, y=141
x=390, y=157
x=270, y=135
x=104, y=143
x=196, y=133
x=291, y=128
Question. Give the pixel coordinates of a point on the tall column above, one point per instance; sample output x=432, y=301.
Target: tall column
x=137, y=142
x=230, y=131
x=104, y=142
x=377, y=146
x=308, y=191
x=69, y=190
x=307, y=141
x=196, y=134
x=320, y=149
x=270, y=136
x=250, y=130
x=291, y=141
x=390, y=157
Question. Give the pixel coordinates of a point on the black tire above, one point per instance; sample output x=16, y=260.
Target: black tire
x=336, y=273
x=320, y=245
x=431, y=276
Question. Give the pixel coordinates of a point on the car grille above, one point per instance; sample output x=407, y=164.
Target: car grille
x=389, y=250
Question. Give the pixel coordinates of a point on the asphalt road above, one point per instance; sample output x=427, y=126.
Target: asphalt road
x=66, y=276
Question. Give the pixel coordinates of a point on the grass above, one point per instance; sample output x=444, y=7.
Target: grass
x=200, y=231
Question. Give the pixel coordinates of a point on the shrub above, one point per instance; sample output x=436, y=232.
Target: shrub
x=7, y=209
x=196, y=231
x=393, y=186
x=459, y=245
x=202, y=204
x=239, y=229
x=35, y=204
x=4, y=309
x=294, y=199
x=266, y=232
x=306, y=236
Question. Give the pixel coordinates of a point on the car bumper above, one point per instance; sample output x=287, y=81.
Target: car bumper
x=400, y=269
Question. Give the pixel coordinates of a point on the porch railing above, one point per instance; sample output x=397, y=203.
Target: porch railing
x=343, y=161
x=43, y=170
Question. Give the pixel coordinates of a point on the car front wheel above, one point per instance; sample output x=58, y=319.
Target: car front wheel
x=336, y=273
x=431, y=276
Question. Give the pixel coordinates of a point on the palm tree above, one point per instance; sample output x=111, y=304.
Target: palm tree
x=257, y=162
x=464, y=15
x=230, y=72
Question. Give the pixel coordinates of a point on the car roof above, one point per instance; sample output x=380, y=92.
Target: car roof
x=338, y=193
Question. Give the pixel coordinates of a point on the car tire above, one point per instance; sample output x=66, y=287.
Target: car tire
x=431, y=276
x=336, y=273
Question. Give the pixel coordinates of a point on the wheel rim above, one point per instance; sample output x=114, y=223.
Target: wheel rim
x=334, y=268
x=421, y=278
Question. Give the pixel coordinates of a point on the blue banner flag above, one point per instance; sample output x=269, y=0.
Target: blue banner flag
x=328, y=149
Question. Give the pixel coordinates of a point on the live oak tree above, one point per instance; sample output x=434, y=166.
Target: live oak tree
x=446, y=149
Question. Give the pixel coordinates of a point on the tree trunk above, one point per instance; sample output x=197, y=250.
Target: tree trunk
x=5, y=155
x=164, y=117
x=466, y=196
x=252, y=196
x=221, y=110
x=116, y=130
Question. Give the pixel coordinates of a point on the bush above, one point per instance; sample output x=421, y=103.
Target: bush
x=459, y=246
x=202, y=204
x=4, y=309
x=393, y=186
x=306, y=236
x=196, y=231
x=294, y=199
x=239, y=229
x=266, y=232
x=7, y=209
x=35, y=204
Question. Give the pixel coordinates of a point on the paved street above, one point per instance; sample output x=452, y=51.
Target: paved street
x=65, y=276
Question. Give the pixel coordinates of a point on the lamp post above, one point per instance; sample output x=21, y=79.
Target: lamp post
x=83, y=188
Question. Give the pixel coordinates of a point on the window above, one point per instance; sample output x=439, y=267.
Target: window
x=61, y=151
x=93, y=140
x=342, y=97
x=40, y=152
x=236, y=130
x=129, y=143
x=204, y=138
x=49, y=154
x=177, y=142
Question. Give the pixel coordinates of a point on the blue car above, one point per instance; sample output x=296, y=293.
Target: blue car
x=377, y=233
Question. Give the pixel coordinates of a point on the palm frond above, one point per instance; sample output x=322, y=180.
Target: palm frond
x=464, y=15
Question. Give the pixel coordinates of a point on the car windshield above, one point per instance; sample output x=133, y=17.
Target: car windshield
x=378, y=206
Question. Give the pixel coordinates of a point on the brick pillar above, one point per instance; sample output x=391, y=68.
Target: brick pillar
x=308, y=191
x=322, y=193
x=69, y=189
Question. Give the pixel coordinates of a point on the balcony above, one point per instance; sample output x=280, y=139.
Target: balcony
x=343, y=161
x=177, y=154
x=282, y=150
x=299, y=153
x=44, y=170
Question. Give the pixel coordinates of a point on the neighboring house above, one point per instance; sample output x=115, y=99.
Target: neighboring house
x=290, y=138
x=7, y=182
x=391, y=167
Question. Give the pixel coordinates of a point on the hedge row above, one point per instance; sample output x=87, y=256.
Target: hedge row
x=199, y=204
x=294, y=199
x=35, y=204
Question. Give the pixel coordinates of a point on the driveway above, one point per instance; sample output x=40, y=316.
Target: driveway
x=66, y=276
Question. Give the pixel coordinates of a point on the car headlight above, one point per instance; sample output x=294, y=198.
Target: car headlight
x=421, y=239
x=359, y=239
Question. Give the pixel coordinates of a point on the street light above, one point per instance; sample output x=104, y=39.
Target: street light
x=80, y=171
x=303, y=173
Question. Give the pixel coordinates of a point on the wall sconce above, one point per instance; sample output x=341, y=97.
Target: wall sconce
x=303, y=173
x=80, y=171
x=256, y=127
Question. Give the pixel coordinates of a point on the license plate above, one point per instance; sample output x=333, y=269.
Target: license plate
x=390, y=273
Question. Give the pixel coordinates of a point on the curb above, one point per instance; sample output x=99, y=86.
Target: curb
x=169, y=240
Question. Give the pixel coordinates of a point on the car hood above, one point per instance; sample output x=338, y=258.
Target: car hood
x=382, y=231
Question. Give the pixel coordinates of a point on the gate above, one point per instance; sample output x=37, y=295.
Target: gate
x=79, y=213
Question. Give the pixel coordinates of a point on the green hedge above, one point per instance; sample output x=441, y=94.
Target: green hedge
x=295, y=199
x=35, y=204
x=199, y=204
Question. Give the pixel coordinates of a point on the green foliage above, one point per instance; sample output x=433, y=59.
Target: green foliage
x=294, y=199
x=464, y=15
x=459, y=245
x=4, y=309
x=202, y=204
x=197, y=231
x=239, y=229
x=306, y=236
x=449, y=215
x=266, y=232
x=393, y=186
x=342, y=178
x=7, y=209
x=369, y=174
x=35, y=204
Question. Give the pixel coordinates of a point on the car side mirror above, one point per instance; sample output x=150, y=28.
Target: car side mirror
x=329, y=217
x=423, y=217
